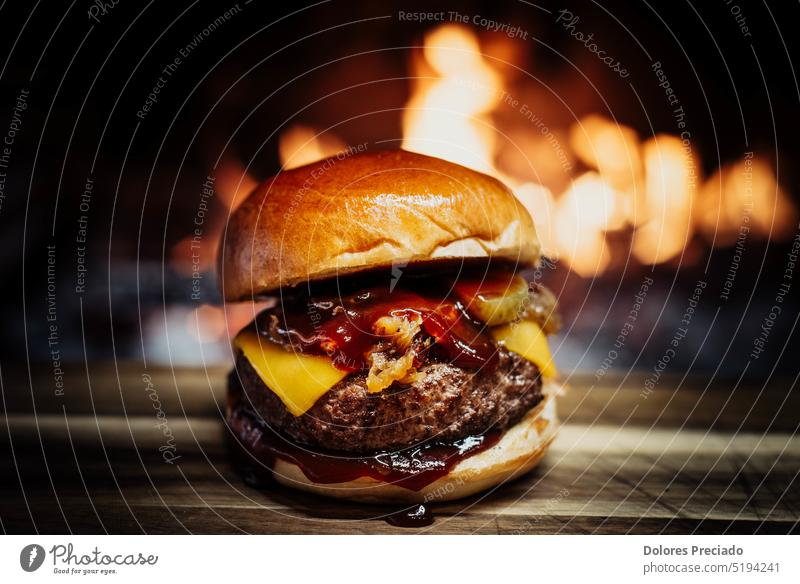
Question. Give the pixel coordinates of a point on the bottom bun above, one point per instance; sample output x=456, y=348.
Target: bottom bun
x=518, y=451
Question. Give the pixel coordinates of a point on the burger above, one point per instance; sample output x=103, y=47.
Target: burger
x=401, y=354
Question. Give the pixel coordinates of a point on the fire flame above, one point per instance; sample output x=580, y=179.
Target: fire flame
x=670, y=190
x=653, y=188
x=744, y=196
x=301, y=145
x=447, y=116
x=613, y=149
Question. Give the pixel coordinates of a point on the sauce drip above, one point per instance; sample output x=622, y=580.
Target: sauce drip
x=416, y=516
x=413, y=468
x=342, y=327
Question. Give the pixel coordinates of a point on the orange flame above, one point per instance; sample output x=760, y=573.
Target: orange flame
x=612, y=149
x=301, y=145
x=233, y=183
x=447, y=116
x=671, y=170
x=744, y=197
x=585, y=212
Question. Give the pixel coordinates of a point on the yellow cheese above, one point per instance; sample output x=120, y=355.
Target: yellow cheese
x=298, y=380
x=527, y=339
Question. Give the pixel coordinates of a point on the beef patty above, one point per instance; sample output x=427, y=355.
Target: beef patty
x=448, y=403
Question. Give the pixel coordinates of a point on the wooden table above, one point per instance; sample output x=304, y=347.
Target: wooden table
x=690, y=457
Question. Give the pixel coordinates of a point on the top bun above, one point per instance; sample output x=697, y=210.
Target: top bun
x=352, y=213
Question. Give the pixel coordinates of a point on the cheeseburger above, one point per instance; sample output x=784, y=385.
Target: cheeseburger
x=402, y=354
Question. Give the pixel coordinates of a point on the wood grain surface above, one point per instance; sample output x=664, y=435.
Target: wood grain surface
x=689, y=457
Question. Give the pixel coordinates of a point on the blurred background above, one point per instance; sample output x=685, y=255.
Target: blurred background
x=653, y=144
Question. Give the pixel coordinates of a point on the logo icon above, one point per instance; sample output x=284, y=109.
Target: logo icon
x=397, y=272
x=31, y=557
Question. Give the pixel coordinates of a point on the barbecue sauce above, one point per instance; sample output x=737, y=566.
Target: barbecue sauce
x=413, y=468
x=342, y=327
x=416, y=516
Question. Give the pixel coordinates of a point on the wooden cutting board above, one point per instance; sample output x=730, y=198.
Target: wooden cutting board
x=689, y=457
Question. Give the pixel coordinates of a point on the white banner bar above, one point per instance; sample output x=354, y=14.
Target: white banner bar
x=388, y=559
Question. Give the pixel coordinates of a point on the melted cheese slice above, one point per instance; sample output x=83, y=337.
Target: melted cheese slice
x=527, y=339
x=298, y=380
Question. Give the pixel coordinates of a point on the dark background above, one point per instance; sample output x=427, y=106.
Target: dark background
x=339, y=64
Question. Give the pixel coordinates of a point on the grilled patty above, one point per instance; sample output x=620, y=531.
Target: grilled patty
x=448, y=403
